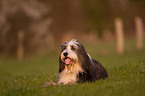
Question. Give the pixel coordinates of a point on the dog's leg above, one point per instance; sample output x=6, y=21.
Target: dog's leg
x=46, y=84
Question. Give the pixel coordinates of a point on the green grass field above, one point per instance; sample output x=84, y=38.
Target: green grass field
x=126, y=74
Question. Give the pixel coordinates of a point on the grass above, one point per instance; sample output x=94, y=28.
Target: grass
x=126, y=74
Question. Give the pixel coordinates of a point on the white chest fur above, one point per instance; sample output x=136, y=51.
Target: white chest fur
x=69, y=74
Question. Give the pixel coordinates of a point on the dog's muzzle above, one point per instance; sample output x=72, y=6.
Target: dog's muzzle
x=66, y=59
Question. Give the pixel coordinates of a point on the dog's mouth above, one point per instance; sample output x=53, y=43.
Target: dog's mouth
x=67, y=60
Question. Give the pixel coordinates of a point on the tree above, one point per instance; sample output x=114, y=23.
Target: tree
x=27, y=16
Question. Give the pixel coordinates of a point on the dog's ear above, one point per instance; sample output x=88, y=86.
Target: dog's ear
x=61, y=65
x=86, y=64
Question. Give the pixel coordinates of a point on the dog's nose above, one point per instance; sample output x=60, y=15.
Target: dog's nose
x=65, y=54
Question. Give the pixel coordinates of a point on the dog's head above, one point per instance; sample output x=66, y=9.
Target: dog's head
x=69, y=52
x=73, y=52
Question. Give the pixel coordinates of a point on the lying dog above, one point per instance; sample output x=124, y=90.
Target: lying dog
x=77, y=66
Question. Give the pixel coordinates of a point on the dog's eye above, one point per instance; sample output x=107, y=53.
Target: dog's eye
x=72, y=48
x=63, y=47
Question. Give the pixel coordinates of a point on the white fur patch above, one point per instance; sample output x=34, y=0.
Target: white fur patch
x=91, y=59
x=69, y=74
x=73, y=41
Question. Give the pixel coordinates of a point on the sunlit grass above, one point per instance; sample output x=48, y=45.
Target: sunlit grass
x=126, y=74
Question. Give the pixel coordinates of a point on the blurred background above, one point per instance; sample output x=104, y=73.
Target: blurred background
x=33, y=27
x=31, y=31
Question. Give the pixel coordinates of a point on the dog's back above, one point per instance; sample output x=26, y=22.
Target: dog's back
x=101, y=72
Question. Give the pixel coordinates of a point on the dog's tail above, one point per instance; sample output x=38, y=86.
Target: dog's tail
x=101, y=72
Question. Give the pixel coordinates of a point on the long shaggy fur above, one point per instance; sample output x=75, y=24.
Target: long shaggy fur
x=76, y=65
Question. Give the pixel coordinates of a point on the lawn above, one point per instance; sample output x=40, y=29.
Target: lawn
x=126, y=74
